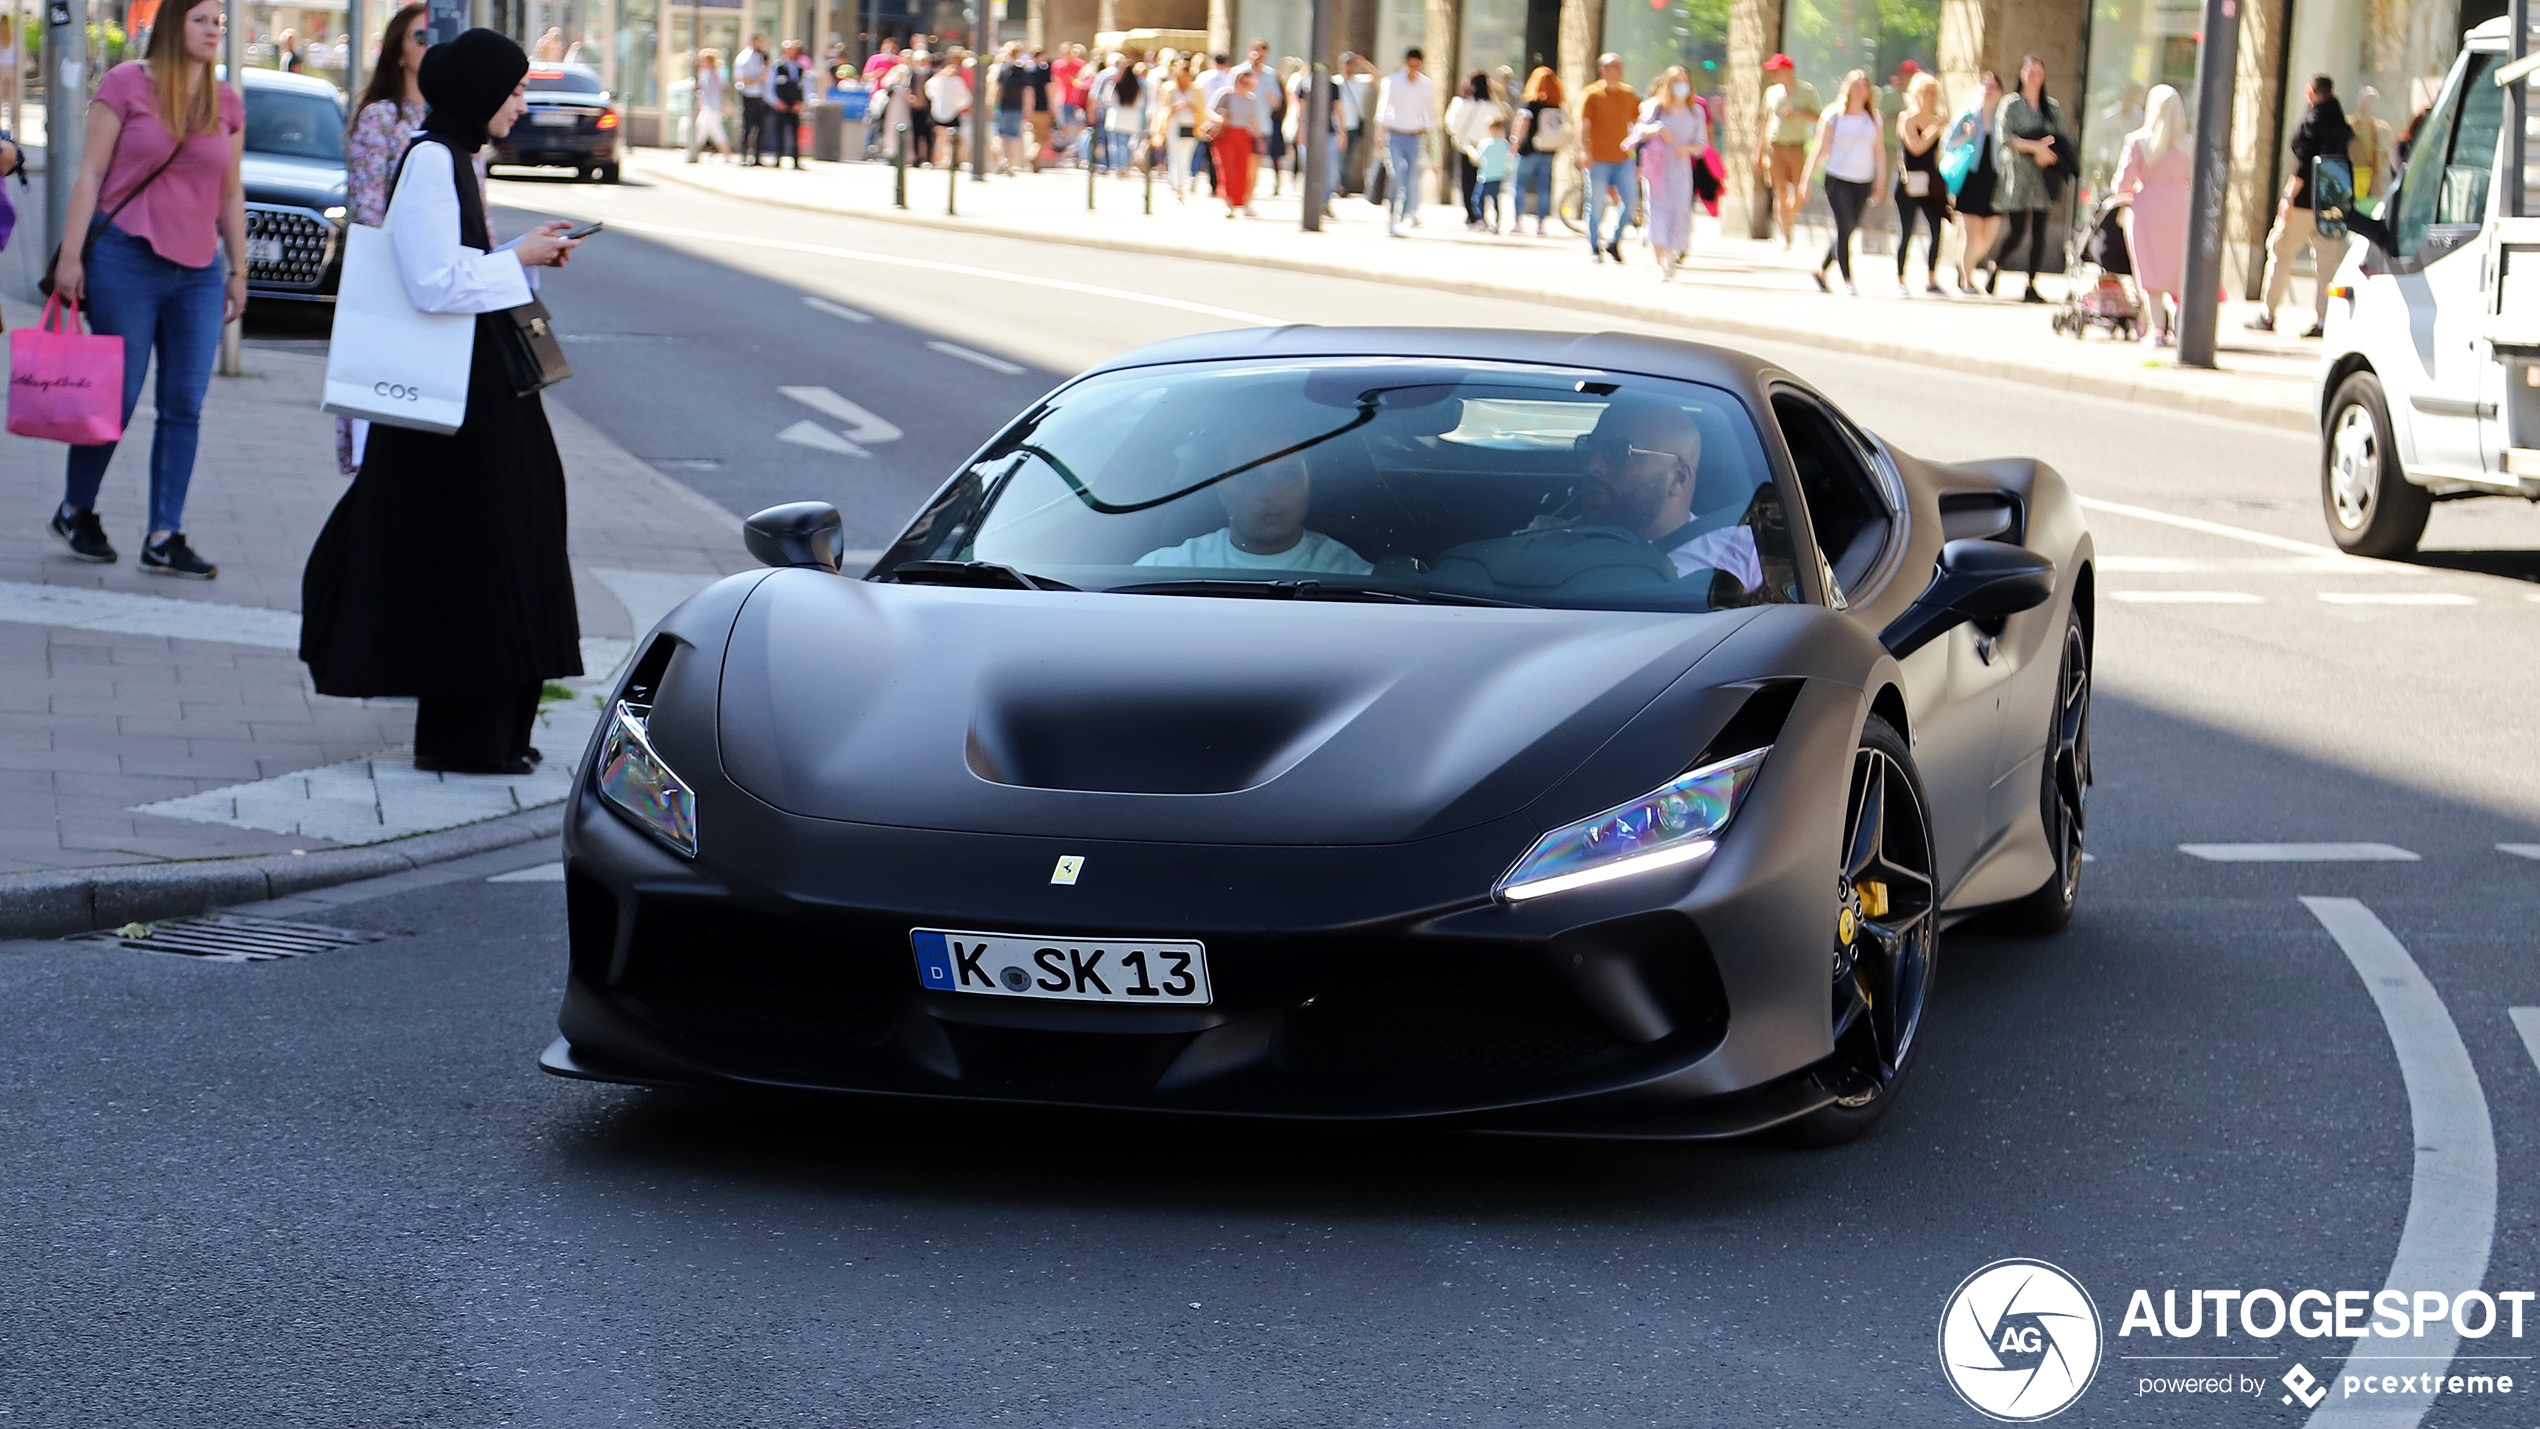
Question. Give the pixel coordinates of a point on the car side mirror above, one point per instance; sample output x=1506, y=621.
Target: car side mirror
x=809, y=534
x=2332, y=195
x=1975, y=580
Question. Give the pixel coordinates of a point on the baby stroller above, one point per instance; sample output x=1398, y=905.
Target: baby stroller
x=2099, y=263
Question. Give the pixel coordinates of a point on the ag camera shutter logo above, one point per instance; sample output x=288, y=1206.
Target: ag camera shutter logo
x=2019, y=1340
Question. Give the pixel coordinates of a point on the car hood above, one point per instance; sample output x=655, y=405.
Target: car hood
x=276, y=178
x=1175, y=718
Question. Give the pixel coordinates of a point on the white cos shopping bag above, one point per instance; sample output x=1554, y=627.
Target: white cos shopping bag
x=387, y=361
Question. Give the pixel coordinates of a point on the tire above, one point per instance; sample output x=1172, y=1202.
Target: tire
x=2372, y=508
x=2064, y=794
x=608, y=173
x=1887, y=942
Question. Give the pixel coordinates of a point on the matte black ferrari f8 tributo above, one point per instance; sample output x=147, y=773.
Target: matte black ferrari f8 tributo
x=1584, y=735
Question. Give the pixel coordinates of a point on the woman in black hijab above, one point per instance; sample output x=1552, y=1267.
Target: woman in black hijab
x=442, y=573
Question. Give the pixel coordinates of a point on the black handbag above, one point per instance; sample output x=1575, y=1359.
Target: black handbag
x=532, y=356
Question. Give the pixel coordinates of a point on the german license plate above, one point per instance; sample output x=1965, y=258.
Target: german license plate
x=1148, y=972
x=265, y=249
x=553, y=119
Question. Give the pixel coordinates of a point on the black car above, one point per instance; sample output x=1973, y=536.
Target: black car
x=1578, y=735
x=571, y=124
x=294, y=180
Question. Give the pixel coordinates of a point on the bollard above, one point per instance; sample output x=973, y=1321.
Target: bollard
x=1149, y=168
x=1091, y=173
x=899, y=166
x=952, y=190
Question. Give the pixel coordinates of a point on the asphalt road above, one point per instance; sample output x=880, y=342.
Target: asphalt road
x=334, y=1190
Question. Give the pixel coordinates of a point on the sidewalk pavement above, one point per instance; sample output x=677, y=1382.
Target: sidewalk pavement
x=146, y=720
x=1731, y=287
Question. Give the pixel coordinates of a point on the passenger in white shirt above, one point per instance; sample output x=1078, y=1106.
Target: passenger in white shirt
x=1406, y=110
x=1265, y=528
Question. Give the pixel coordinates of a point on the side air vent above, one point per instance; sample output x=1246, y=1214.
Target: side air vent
x=1756, y=724
x=1981, y=516
x=645, y=678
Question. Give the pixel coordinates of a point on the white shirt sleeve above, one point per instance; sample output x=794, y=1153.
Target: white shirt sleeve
x=442, y=274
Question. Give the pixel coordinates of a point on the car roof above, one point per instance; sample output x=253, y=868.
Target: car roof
x=255, y=77
x=1611, y=351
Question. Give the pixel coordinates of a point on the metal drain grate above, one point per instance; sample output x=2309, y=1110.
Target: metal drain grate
x=227, y=938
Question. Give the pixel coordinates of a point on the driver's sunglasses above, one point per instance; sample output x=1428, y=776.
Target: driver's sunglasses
x=1615, y=452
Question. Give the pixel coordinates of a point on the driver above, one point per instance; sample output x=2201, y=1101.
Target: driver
x=1265, y=528
x=1640, y=465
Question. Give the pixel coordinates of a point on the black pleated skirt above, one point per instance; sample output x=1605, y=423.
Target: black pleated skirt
x=443, y=569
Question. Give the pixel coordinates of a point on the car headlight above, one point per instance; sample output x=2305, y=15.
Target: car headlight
x=1671, y=824
x=635, y=779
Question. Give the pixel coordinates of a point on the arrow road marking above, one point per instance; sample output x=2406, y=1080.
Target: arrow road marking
x=2451, y=1224
x=862, y=426
x=836, y=310
x=993, y=364
x=819, y=438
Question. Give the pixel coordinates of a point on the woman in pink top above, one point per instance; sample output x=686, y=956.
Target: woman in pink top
x=2154, y=169
x=160, y=214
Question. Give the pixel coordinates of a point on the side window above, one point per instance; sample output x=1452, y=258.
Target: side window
x=2467, y=170
x=2412, y=210
x=1845, y=509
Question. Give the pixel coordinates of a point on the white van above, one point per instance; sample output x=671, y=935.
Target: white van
x=2429, y=384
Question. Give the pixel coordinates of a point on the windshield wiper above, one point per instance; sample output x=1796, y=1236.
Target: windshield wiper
x=976, y=575
x=1311, y=590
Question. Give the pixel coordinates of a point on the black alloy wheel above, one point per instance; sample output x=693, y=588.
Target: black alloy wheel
x=1886, y=940
x=2065, y=792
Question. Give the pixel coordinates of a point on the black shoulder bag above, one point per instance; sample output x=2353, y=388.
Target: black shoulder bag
x=88, y=244
x=532, y=357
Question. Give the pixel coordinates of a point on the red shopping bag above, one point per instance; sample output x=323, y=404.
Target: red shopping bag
x=65, y=385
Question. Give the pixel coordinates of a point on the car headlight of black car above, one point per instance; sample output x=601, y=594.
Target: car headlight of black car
x=634, y=778
x=1676, y=822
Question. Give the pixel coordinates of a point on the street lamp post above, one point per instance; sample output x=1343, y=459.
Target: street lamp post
x=65, y=90
x=353, y=51
x=233, y=345
x=1318, y=116
x=2209, y=184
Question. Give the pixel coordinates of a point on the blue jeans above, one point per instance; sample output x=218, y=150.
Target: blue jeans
x=136, y=295
x=1534, y=185
x=1402, y=175
x=1624, y=178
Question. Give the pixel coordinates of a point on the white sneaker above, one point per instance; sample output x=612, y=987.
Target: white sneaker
x=1849, y=290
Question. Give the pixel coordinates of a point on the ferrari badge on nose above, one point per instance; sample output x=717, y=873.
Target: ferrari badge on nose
x=1069, y=865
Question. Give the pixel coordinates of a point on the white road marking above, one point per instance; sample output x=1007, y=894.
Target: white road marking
x=2527, y=1022
x=2451, y=1224
x=808, y=433
x=123, y=613
x=2298, y=853
x=993, y=364
x=2521, y=850
x=2150, y=565
x=543, y=873
x=2232, y=533
x=2396, y=597
x=836, y=310
x=932, y=265
x=863, y=428
x=2187, y=597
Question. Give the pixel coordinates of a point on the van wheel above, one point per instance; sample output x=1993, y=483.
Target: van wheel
x=2372, y=508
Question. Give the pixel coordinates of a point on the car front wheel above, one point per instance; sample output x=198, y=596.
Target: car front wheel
x=1886, y=940
x=2372, y=508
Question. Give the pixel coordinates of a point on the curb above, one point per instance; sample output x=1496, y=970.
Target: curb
x=2298, y=419
x=56, y=903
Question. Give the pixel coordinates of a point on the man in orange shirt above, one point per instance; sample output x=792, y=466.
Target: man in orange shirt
x=1607, y=111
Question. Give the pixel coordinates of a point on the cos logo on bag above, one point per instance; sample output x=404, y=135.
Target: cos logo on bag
x=2019, y=1340
x=397, y=391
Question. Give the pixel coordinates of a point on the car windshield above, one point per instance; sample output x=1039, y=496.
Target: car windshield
x=563, y=81
x=1371, y=479
x=294, y=125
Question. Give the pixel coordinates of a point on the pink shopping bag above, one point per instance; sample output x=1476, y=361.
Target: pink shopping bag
x=65, y=385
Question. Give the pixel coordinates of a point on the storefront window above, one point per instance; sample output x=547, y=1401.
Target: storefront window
x=1400, y=25
x=1494, y=42
x=1650, y=37
x=1828, y=39
x=639, y=52
x=2134, y=45
x=2396, y=49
